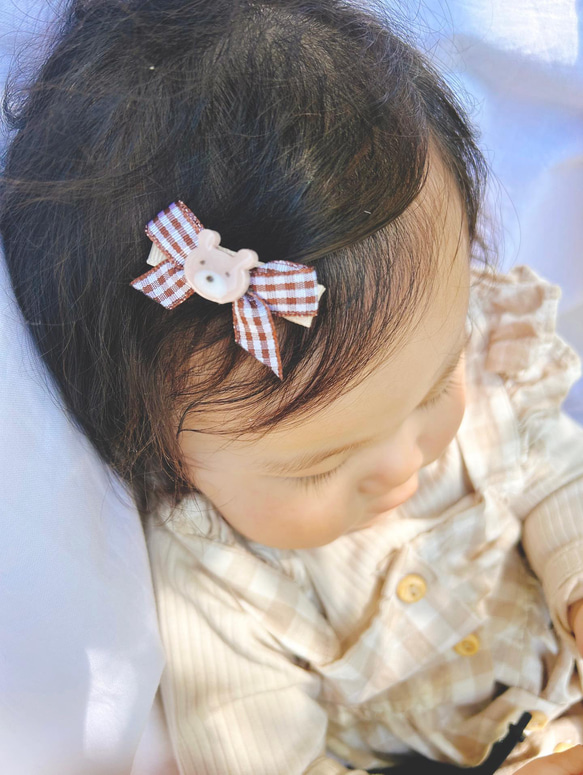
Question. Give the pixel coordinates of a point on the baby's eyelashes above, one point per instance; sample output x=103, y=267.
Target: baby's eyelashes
x=316, y=479
x=446, y=390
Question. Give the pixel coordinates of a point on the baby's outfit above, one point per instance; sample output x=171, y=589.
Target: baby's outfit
x=425, y=633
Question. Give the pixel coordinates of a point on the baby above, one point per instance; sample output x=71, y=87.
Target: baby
x=342, y=429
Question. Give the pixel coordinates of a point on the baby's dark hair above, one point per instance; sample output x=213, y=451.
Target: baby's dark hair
x=299, y=128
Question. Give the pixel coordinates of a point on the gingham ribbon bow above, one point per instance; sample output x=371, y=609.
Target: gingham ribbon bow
x=276, y=288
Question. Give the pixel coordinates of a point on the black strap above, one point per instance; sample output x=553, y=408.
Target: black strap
x=501, y=750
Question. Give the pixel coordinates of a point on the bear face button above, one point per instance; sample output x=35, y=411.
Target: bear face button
x=215, y=273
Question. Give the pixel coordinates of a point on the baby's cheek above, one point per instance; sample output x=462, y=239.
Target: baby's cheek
x=261, y=516
x=277, y=513
x=302, y=522
x=299, y=520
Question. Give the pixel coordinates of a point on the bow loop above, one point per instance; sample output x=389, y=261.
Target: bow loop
x=288, y=288
x=175, y=231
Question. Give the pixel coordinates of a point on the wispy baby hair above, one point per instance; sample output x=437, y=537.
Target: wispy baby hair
x=298, y=128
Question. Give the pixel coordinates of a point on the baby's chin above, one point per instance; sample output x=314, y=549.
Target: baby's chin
x=374, y=520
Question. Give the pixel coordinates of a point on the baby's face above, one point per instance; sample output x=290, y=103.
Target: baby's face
x=349, y=464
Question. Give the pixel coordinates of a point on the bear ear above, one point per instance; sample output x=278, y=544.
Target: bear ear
x=208, y=239
x=246, y=259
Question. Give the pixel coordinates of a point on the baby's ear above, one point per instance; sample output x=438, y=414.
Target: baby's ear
x=246, y=259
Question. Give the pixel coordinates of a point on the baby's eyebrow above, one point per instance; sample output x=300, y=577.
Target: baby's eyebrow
x=309, y=460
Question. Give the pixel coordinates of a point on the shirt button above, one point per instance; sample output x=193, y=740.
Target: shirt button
x=411, y=588
x=560, y=747
x=538, y=721
x=468, y=646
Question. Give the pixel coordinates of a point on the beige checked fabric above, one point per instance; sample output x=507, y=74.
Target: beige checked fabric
x=279, y=287
x=428, y=632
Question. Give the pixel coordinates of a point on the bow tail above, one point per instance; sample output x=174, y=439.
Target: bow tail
x=165, y=283
x=255, y=331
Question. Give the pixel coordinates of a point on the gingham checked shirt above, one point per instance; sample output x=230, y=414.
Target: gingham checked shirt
x=426, y=632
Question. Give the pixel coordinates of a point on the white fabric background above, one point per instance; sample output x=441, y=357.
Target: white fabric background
x=80, y=656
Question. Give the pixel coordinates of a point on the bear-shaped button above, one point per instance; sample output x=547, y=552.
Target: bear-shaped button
x=215, y=273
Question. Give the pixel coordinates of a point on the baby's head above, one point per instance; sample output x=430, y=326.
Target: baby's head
x=309, y=132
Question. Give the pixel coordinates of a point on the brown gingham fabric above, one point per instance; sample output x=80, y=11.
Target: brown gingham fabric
x=278, y=287
x=174, y=230
x=305, y=661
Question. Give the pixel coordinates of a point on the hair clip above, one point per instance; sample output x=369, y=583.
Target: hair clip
x=187, y=259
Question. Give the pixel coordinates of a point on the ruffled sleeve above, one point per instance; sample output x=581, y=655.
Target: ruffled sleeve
x=537, y=369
